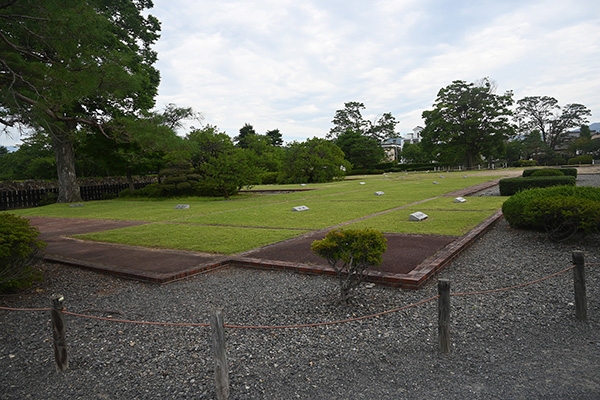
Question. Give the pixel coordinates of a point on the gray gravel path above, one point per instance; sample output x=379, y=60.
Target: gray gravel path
x=519, y=344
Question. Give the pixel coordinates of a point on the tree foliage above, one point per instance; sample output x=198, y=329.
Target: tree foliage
x=275, y=137
x=70, y=63
x=351, y=253
x=361, y=151
x=467, y=121
x=247, y=134
x=223, y=168
x=315, y=160
x=542, y=113
x=351, y=119
x=19, y=250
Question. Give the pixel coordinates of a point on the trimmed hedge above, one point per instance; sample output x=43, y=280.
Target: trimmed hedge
x=548, y=172
x=585, y=159
x=510, y=186
x=366, y=172
x=565, y=171
x=549, y=208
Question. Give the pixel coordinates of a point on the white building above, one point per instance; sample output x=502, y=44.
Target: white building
x=393, y=146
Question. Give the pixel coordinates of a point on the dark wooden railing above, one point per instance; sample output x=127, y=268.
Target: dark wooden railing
x=11, y=199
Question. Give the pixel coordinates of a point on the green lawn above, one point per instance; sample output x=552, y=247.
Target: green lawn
x=206, y=239
x=230, y=226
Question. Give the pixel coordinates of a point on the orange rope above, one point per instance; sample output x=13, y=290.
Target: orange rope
x=332, y=322
x=302, y=325
x=24, y=309
x=136, y=322
x=514, y=287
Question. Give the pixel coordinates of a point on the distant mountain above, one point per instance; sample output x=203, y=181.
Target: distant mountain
x=595, y=126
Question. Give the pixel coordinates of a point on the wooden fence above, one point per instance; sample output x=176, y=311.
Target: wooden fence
x=11, y=199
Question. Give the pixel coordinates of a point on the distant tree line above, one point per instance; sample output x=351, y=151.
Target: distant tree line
x=77, y=80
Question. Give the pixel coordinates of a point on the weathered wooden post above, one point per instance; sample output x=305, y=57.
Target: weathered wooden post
x=444, y=315
x=220, y=354
x=579, y=281
x=59, y=333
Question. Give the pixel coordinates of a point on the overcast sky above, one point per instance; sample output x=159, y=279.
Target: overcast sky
x=291, y=64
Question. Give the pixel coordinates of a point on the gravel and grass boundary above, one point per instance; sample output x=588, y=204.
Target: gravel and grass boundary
x=521, y=344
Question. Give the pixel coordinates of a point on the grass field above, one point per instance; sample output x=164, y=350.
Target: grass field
x=251, y=220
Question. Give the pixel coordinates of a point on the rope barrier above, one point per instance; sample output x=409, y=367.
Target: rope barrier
x=332, y=322
x=136, y=322
x=513, y=287
x=300, y=325
x=24, y=309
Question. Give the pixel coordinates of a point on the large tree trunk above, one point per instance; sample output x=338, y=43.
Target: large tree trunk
x=130, y=180
x=68, y=188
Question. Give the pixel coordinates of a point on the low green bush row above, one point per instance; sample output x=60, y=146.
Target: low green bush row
x=549, y=208
x=585, y=159
x=565, y=171
x=366, y=172
x=510, y=186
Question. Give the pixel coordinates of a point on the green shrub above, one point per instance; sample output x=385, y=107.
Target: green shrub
x=19, y=251
x=565, y=171
x=47, y=199
x=527, y=163
x=557, y=209
x=585, y=159
x=351, y=252
x=269, y=178
x=552, y=213
x=548, y=172
x=510, y=186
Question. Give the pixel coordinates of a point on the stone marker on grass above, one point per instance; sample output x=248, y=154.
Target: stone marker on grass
x=300, y=208
x=361, y=183
x=436, y=183
x=75, y=205
x=379, y=193
x=460, y=200
x=417, y=216
x=182, y=206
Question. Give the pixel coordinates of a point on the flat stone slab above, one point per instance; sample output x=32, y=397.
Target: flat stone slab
x=418, y=216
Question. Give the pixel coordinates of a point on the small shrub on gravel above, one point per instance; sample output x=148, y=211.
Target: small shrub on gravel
x=19, y=251
x=351, y=253
x=510, y=186
x=561, y=210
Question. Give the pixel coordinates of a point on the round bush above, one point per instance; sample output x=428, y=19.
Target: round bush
x=585, y=159
x=548, y=172
x=19, y=251
x=544, y=208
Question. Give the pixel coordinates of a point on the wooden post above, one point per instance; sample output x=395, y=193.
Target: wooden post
x=220, y=355
x=59, y=333
x=444, y=315
x=579, y=281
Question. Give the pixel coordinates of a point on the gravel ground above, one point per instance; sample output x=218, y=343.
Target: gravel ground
x=519, y=344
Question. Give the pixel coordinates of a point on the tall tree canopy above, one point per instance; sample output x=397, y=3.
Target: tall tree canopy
x=542, y=113
x=362, y=151
x=315, y=160
x=65, y=64
x=468, y=120
x=247, y=133
x=351, y=119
